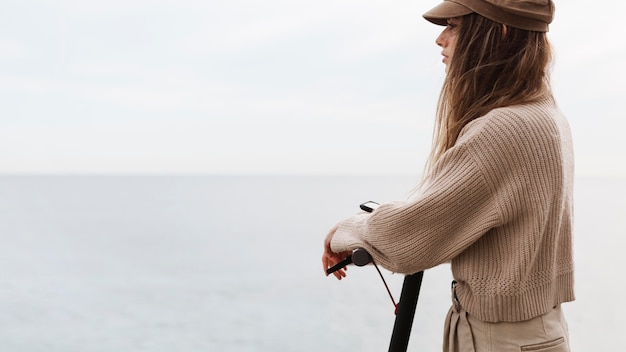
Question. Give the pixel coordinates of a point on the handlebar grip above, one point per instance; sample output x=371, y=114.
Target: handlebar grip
x=359, y=257
x=339, y=265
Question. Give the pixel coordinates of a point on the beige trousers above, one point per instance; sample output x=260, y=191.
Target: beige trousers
x=545, y=333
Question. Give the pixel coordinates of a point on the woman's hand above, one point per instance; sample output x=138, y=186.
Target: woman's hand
x=329, y=258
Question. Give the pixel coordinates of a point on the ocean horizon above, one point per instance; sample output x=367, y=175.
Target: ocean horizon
x=232, y=263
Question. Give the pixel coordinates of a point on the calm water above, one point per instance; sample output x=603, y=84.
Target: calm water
x=232, y=263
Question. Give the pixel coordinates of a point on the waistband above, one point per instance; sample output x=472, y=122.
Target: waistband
x=455, y=300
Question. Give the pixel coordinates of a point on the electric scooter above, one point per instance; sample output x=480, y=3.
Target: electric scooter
x=405, y=309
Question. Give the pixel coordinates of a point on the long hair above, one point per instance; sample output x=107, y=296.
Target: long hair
x=492, y=67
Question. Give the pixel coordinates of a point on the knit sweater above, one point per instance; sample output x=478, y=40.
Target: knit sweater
x=497, y=206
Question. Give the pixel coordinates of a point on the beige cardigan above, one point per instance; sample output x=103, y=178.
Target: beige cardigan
x=498, y=207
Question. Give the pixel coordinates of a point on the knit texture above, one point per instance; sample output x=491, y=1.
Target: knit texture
x=498, y=207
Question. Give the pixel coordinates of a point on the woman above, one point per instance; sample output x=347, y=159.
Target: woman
x=496, y=199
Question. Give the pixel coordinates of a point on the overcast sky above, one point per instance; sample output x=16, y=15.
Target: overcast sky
x=277, y=86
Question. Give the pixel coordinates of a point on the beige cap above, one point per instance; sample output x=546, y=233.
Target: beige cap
x=531, y=15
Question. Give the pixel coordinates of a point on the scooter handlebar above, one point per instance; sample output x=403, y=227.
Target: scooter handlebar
x=359, y=257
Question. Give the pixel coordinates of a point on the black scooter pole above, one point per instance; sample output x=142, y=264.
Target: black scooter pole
x=406, y=312
x=408, y=297
x=406, y=307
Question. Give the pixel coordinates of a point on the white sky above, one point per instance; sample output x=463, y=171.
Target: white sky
x=278, y=86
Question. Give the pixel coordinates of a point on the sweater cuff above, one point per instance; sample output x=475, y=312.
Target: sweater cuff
x=349, y=234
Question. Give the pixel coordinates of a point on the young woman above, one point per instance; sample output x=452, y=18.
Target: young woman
x=496, y=199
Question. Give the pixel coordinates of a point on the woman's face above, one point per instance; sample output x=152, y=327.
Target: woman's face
x=447, y=39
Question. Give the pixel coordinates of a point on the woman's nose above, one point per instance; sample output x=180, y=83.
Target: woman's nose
x=440, y=39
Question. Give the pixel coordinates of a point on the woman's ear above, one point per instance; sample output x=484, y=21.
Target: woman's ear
x=504, y=28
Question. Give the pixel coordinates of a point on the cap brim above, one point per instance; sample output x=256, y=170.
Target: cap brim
x=447, y=9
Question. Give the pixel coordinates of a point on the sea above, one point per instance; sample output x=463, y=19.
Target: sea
x=190, y=263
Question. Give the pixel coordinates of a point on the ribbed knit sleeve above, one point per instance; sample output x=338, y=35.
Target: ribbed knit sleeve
x=497, y=206
x=452, y=212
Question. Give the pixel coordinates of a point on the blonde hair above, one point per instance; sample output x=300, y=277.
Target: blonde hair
x=493, y=66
